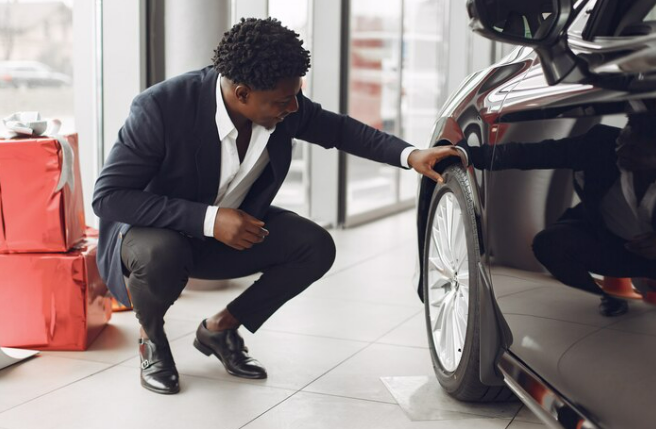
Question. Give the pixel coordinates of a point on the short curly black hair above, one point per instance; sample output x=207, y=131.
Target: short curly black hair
x=260, y=52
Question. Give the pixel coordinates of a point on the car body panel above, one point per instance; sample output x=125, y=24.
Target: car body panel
x=601, y=366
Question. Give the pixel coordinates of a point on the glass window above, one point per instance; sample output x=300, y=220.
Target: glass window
x=36, y=59
x=293, y=195
x=423, y=77
x=373, y=97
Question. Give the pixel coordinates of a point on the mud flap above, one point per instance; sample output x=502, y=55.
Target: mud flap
x=495, y=335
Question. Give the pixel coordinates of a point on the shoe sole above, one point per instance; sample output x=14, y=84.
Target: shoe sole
x=161, y=392
x=209, y=352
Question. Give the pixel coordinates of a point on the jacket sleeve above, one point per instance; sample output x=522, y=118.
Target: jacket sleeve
x=331, y=130
x=134, y=160
x=571, y=152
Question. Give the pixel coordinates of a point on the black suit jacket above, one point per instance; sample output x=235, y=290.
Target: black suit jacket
x=164, y=169
x=593, y=153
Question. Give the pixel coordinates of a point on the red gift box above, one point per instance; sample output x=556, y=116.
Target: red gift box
x=41, y=207
x=52, y=301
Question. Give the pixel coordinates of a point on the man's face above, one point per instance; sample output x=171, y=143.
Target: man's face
x=270, y=107
x=635, y=151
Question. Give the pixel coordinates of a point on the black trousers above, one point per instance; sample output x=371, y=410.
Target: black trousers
x=296, y=253
x=573, y=247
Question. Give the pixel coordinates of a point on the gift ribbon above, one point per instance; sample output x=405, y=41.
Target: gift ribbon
x=68, y=158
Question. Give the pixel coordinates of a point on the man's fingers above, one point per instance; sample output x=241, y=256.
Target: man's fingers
x=257, y=230
x=647, y=236
x=429, y=172
x=244, y=244
x=253, y=238
x=250, y=219
x=644, y=242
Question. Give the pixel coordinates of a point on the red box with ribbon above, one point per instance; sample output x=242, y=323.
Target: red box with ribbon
x=41, y=208
x=52, y=301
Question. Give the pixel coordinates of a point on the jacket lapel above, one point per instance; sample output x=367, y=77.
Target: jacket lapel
x=208, y=154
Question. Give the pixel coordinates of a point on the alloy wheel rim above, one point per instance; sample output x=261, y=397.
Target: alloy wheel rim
x=448, y=282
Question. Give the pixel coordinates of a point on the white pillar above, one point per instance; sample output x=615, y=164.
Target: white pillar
x=193, y=29
x=326, y=77
x=250, y=9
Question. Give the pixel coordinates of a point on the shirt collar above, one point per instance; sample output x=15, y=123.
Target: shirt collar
x=223, y=122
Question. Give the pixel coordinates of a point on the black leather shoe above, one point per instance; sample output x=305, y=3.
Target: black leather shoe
x=158, y=372
x=228, y=346
x=612, y=307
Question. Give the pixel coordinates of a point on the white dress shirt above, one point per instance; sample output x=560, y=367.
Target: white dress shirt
x=237, y=178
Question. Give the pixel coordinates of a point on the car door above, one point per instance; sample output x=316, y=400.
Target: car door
x=605, y=364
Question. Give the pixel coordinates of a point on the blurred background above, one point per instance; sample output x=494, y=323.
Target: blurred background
x=388, y=63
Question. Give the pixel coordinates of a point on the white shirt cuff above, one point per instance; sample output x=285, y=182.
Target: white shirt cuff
x=210, y=217
x=464, y=152
x=405, y=155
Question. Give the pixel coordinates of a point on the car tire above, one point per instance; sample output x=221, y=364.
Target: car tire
x=451, y=290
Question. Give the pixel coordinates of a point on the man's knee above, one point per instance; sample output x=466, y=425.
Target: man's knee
x=323, y=250
x=546, y=246
x=159, y=254
x=312, y=246
x=557, y=243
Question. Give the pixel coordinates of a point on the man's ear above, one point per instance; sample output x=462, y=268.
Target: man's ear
x=242, y=92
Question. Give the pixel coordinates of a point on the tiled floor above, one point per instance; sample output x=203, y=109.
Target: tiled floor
x=349, y=353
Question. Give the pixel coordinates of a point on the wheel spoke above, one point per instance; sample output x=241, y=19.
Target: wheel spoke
x=443, y=240
x=440, y=268
x=442, y=310
x=441, y=254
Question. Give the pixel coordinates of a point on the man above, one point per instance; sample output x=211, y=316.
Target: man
x=186, y=192
x=611, y=232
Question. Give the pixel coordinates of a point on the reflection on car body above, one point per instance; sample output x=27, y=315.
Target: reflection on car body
x=496, y=317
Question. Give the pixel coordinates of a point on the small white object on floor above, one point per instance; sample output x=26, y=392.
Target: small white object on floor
x=10, y=356
x=423, y=399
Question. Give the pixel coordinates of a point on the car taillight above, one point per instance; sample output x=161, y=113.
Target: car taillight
x=6, y=77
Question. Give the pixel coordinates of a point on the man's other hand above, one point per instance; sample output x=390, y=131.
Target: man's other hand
x=238, y=229
x=423, y=160
x=643, y=245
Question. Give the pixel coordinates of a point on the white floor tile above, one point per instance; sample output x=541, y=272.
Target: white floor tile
x=411, y=333
x=292, y=361
x=114, y=399
x=118, y=341
x=384, y=279
x=334, y=318
x=360, y=376
x=422, y=398
x=358, y=244
x=526, y=415
x=313, y=411
x=39, y=375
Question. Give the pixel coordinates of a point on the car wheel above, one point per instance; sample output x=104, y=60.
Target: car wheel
x=451, y=257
